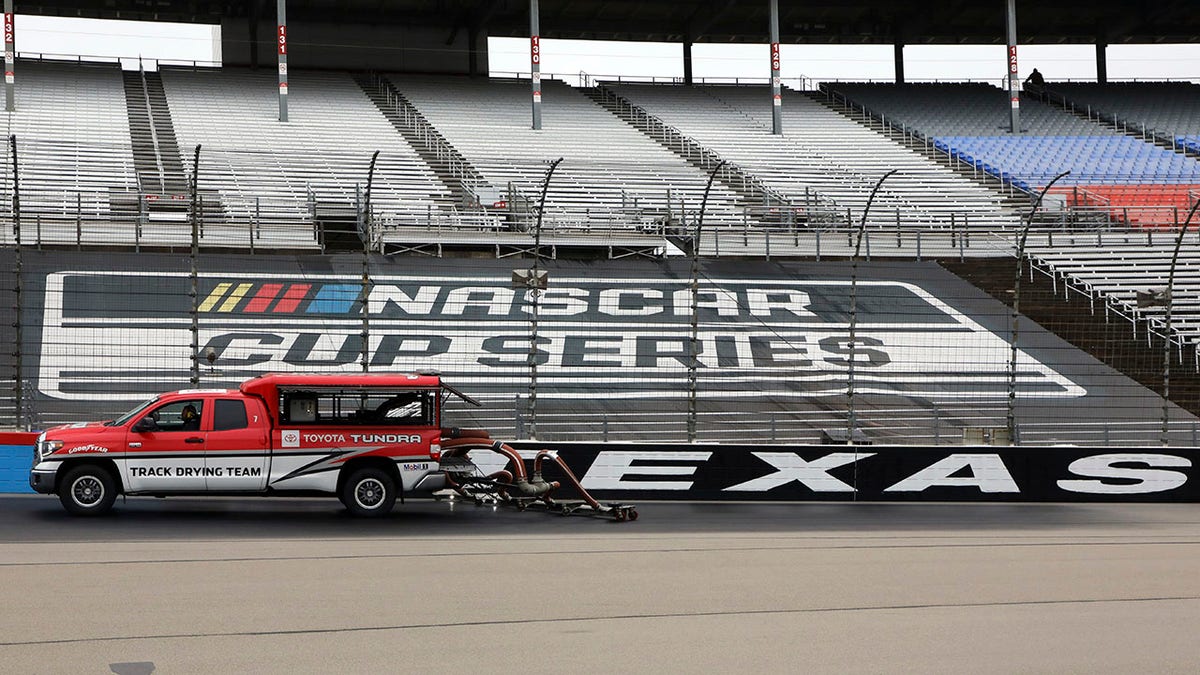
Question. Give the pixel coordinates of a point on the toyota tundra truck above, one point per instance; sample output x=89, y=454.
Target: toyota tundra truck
x=368, y=439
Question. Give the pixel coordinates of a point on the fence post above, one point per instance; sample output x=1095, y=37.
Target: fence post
x=851, y=420
x=141, y=223
x=194, y=277
x=937, y=426
x=1011, y=416
x=18, y=365
x=694, y=343
x=365, y=229
x=1166, y=362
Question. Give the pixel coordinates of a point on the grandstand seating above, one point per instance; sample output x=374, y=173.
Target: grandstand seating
x=1115, y=272
x=73, y=146
x=819, y=150
x=266, y=169
x=969, y=122
x=611, y=174
x=1169, y=110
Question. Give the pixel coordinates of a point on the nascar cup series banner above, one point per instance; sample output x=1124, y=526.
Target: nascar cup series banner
x=113, y=331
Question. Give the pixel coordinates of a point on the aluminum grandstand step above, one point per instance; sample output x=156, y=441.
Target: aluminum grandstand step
x=609, y=166
x=819, y=150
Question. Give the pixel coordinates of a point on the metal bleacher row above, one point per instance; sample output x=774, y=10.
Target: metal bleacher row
x=318, y=159
x=74, y=150
x=1121, y=176
x=1113, y=270
x=276, y=184
x=1167, y=110
x=819, y=150
x=611, y=173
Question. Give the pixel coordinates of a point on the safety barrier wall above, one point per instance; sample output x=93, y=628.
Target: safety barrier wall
x=634, y=471
x=881, y=473
x=931, y=355
x=16, y=452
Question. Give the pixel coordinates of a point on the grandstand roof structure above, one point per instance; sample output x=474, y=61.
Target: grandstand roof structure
x=849, y=22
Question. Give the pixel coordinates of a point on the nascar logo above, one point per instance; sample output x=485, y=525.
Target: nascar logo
x=275, y=298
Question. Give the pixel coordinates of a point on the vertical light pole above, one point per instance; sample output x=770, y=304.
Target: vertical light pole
x=1011, y=417
x=535, y=64
x=10, y=56
x=281, y=40
x=1014, y=77
x=1167, y=329
x=776, y=84
x=851, y=418
x=694, y=352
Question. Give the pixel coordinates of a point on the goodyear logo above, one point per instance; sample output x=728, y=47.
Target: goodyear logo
x=278, y=298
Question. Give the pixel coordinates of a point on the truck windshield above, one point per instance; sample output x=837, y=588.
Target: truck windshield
x=129, y=415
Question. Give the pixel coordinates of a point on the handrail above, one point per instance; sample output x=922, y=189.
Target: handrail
x=96, y=59
x=162, y=174
x=468, y=176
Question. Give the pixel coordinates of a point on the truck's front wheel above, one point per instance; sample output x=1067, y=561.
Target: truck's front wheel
x=369, y=493
x=88, y=490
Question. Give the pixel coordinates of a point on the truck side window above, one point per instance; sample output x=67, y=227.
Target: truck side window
x=178, y=416
x=359, y=406
x=229, y=415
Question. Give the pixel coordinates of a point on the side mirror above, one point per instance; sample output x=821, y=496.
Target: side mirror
x=143, y=425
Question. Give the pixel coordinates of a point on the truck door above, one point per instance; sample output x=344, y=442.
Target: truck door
x=237, y=448
x=168, y=454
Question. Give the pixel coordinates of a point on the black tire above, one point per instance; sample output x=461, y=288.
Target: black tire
x=87, y=490
x=369, y=493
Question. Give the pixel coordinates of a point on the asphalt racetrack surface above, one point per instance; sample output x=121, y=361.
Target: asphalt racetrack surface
x=297, y=586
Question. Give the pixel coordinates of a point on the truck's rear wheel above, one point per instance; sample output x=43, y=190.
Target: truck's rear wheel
x=88, y=490
x=369, y=493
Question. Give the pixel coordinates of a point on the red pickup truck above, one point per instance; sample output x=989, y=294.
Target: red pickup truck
x=366, y=438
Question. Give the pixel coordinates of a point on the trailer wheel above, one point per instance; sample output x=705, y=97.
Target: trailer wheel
x=88, y=490
x=369, y=493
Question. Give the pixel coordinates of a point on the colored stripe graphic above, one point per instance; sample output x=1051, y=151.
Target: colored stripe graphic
x=334, y=299
x=235, y=297
x=291, y=298
x=214, y=297
x=263, y=298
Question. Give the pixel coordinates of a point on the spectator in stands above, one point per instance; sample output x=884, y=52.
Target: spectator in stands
x=1035, y=82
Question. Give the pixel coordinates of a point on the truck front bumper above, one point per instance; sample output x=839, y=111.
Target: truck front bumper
x=42, y=481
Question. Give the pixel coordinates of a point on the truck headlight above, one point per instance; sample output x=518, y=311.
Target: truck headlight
x=47, y=448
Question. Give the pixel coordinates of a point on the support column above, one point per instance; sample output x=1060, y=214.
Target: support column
x=472, y=51
x=1101, y=62
x=1014, y=78
x=687, y=61
x=535, y=63
x=252, y=28
x=10, y=56
x=281, y=39
x=776, y=85
x=898, y=51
